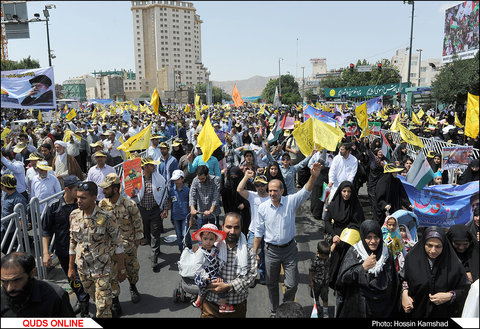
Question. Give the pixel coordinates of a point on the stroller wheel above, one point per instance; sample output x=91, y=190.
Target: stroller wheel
x=183, y=296
x=176, y=295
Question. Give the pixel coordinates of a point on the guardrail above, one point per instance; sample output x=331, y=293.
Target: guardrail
x=21, y=241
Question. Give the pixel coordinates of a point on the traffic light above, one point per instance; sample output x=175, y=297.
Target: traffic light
x=280, y=95
x=351, y=68
x=399, y=97
x=379, y=67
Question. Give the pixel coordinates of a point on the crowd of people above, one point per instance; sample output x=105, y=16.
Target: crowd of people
x=243, y=200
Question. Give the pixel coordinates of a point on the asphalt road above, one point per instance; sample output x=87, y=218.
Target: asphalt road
x=157, y=289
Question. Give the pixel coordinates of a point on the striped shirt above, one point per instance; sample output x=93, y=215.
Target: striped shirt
x=240, y=284
x=204, y=195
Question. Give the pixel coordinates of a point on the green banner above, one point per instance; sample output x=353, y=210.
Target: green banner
x=365, y=91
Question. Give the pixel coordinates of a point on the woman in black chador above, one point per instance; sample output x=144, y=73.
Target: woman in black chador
x=368, y=285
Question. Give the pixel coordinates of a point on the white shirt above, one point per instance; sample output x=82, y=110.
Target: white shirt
x=97, y=175
x=42, y=188
x=342, y=169
x=255, y=201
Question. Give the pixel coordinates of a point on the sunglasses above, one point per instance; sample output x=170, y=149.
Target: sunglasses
x=85, y=187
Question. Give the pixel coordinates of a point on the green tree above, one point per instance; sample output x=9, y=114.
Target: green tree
x=26, y=63
x=290, y=93
x=357, y=79
x=455, y=80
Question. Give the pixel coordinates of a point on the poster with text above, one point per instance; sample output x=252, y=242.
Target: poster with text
x=455, y=156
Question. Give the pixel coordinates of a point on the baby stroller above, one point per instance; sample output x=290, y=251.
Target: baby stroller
x=187, y=290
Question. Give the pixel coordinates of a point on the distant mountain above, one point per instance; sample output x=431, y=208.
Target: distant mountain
x=247, y=88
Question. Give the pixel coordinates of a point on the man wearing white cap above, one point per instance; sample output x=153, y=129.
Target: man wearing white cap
x=45, y=184
x=64, y=164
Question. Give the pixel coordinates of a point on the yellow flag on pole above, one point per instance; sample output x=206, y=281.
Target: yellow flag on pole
x=471, y=119
x=237, y=99
x=315, y=133
x=208, y=140
x=410, y=137
x=395, y=124
x=197, y=108
x=431, y=120
x=40, y=118
x=140, y=141
x=420, y=113
x=415, y=119
x=72, y=114
x=362, y=118
x=68, y=134
x=155, y=101
x=457, y=122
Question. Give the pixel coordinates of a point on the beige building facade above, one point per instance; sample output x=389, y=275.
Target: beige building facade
x=167, y=47
x=422, y=71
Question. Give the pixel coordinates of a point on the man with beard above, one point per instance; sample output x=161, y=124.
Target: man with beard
x=24, y=296
x=238, y=274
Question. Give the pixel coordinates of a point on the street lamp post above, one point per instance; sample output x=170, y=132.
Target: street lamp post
x=279, y=78
x=411, y=38
x=47, y=15
x=419, y=65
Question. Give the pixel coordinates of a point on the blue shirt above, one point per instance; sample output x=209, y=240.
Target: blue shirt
x=277, y=225
x=179, y=199
x=8, y=204
x=212, y=164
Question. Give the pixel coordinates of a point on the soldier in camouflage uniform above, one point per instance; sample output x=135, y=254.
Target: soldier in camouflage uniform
x=129, y=221
x=94, y=238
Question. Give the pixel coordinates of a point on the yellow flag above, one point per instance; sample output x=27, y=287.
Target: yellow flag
x=420, y=113
x=72, y=114
x=395, y=124
x=410, y=137
x=208, y=140
x=187, y=109
x=140, y=141
x=314, y=133
x=94, y=114
x=121, y=140
x=362, y=119
x=5, y=133
x=197, y=108
x=415, y=119
x=68, y=133
x=471, y=119
x=155, y=101
x=457, y=122
x=431, y=120
x=40, y=118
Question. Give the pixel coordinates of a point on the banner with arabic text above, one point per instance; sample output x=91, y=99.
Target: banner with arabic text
x=443, y=205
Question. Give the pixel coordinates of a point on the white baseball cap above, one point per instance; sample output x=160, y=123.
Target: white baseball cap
x=177, y=174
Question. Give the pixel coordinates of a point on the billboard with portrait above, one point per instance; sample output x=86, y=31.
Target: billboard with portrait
x=28, y=89
x=460, y=38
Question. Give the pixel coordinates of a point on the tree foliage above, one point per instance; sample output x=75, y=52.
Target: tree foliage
x=290, y=93
x=26, y=63
x=357, y=79
x=455, y=80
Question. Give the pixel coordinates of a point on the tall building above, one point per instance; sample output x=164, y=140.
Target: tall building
x=167, y=46
x=422, y=71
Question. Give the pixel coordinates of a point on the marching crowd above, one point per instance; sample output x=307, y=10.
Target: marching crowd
x=377, y=267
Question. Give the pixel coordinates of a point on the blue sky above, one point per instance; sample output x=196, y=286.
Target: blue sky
x=240, y=39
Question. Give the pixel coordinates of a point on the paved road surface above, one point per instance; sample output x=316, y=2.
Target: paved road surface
x=157, y=289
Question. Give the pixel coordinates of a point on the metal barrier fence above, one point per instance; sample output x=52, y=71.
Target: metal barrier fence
x=21, y=240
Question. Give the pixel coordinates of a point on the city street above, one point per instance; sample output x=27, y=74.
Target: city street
x=157, y=289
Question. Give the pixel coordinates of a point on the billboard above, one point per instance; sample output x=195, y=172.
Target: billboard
x=460, y=37
x=14, y=17
x=28, y=89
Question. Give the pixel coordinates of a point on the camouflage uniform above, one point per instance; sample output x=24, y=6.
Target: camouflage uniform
x=93, y=240
x=129, y=221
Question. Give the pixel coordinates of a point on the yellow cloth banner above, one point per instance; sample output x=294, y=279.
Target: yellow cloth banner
x=197, y=108
x=40, y=118
x=457, y=122
x=395, y=124
x=314, y=133
x=410, y=137
x=431, y=120
x=420, y=113
x=68, y=134
x=362, y=119
x=5, y=133
x=208, y=140
x=72, y=114
x=415, y=119
x=155, y=101
x=471, y=120
x=140, y=141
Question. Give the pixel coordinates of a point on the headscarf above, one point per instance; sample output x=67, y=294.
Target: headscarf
x=393, y=241
x=470, y=257
x=469, y=175
x=445, y=274
x=390, y=190
x=279, y=175
x=408, y=242
x=343, y=211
